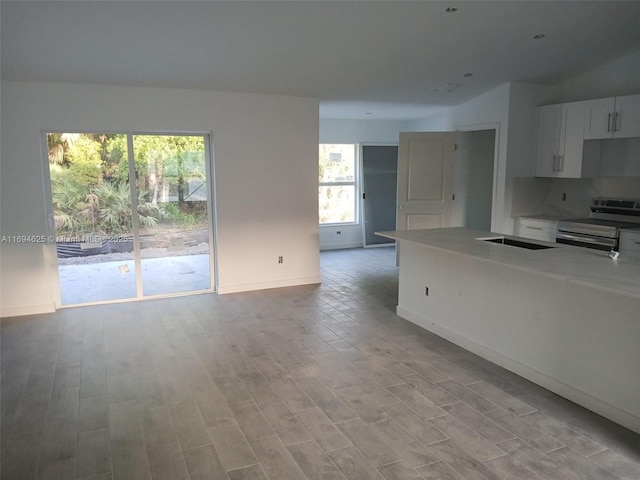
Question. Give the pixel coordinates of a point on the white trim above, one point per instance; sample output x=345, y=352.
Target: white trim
x=581, y=398
x=212, y=210
x=379, y=245
x=341, y=246
x=339, y=224
x=27, y=310
x=356, y=185
x=248, y=287
x=135, y=219
x=49, y=249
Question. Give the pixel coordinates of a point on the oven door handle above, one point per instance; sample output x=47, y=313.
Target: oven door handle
x=584, y=239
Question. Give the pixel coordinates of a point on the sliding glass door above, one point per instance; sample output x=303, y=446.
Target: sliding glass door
x=132, y=215
x=175, y=249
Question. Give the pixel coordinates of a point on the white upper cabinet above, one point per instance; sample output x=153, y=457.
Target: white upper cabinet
x=617, y=117
x=628, y=120
x=549, y=122
x=561, y=141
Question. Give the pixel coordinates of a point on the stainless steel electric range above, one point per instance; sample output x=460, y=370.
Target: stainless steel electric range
x=601, y=231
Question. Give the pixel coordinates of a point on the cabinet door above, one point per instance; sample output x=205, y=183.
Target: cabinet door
x=630, y=242
x=599, y=118
x=627, y=117
x=571, y=140
x=536, y=229
x=548, y=148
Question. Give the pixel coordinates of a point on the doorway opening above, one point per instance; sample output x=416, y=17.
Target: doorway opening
x=474, y=179
x=131, y=215
x=379, y=185
x=446, y=179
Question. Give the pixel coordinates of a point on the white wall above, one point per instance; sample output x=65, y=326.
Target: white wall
x=437, y=123
x=473, y=180
x=360, y=131
x=265, y=157
x=490, y=111
x=354, y=131
x=616, y=78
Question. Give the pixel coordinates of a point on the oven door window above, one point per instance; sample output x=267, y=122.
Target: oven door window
x=588, y=241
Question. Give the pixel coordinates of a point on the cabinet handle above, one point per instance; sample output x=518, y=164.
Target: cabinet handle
x=615, y=121
x=556, y=162
x=536, y=228
x=561, y=163
x=609, y=123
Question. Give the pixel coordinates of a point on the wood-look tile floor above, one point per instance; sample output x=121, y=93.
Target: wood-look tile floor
x=314, y=382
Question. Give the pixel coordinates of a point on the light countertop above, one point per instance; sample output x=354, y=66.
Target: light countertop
x=577, y=265
x=548, y=218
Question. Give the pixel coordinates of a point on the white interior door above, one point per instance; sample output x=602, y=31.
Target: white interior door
x=425, y=180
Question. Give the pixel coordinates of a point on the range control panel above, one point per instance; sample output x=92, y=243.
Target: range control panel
x=612, y=205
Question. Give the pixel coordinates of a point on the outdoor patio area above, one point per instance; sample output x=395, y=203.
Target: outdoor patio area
x=112, y=280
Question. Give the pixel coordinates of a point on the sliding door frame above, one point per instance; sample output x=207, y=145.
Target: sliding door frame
x=51, y=266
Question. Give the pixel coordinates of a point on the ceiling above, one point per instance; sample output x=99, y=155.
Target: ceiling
x=361, y=59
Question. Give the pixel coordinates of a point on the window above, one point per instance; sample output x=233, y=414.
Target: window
x=337, y=183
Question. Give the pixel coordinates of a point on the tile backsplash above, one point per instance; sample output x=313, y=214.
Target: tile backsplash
x=568, y=197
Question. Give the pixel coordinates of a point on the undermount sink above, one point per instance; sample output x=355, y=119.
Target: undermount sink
x=515, y=243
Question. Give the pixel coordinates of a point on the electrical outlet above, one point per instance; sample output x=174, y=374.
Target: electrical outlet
x=280, y=259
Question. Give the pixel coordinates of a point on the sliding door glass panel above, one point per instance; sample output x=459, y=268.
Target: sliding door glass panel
x=91, y=200
x=172, y=210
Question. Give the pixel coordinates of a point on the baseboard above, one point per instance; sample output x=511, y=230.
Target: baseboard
x=577, y=396
x=248, y=287
x=340, y=246
x=380, y=245
x=27, y=310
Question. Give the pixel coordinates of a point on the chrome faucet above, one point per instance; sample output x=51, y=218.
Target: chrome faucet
x=613, y=255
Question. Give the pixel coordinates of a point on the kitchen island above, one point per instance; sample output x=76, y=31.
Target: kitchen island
x=566, y=318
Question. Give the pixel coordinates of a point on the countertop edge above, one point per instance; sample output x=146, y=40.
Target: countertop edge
x=562, y=277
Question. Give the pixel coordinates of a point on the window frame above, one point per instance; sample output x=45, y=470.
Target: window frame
x=355, y=183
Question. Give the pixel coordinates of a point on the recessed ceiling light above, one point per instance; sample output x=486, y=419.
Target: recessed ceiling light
x=539, y=36
x=451, y=10
x=447, y=87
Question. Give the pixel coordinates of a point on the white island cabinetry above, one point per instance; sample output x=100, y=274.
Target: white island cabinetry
x=563, y=317
x=630, y=242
